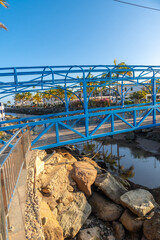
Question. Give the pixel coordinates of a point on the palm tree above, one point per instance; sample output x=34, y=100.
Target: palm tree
x=8, y=102
x=107, y=76
x=37, y=98
x=121, y=66
x=18, y=98
x=23, y=98
x=4, y=4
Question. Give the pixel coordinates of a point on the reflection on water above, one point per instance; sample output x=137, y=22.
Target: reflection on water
x=20, y=115
x=129, y=163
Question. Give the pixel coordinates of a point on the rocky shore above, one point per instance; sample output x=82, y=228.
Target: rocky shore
x=70, y=197
x=35, y=110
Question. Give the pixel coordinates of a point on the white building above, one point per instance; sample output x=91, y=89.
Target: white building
x=2, y=113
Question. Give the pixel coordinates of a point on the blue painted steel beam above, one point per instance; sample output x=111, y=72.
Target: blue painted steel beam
x=115, y=78
x=93, y=137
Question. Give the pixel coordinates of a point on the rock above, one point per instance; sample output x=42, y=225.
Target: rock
x=111, y=237
x=130, y=135
x=123, y=181
x=155, y=136
x=92, y=162
x=133, y=236
x=130, y=221
x=41, y=154
x=146, y=130
x=84, y=174
x=88, y=222
x=54, y=182
x=70, y=188
x=139, y=201
x=155, y=192
x=151, y=227
x=110, y=186
x=143, y=238
x=118, y=230
x=73, y=216
x=51, y=202
x=90, y=234
x=39, y=164
x=55, y=160
x=104, y=208
x=52, y=229
x=66, y=155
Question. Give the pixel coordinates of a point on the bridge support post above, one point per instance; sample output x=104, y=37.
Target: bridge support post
x=154, y=97
x=122, y=97
x=122, y=93
x=66, y=98
x=85, y=105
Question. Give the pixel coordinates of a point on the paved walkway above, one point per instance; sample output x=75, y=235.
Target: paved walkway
x=17, y=208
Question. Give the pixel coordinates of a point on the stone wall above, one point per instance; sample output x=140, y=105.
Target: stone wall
x=33, y=225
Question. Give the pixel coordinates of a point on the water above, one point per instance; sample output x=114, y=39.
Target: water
x=130, y=163
x=20, y=115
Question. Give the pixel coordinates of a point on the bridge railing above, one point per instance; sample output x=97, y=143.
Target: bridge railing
x=11, y=165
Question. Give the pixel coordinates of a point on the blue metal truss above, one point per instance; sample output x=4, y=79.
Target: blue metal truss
x=86, y=122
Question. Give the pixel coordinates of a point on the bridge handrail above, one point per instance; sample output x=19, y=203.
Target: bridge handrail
x=10, y=141
x=71, y=112
x=30, y=124
x=11, y=166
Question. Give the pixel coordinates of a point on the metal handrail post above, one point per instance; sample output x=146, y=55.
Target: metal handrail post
x=154, y=97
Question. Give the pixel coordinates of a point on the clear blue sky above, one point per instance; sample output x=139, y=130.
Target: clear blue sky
x=65, y=32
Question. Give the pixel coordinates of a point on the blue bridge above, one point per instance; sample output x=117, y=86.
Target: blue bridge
x=89, y=102
x=75, y=89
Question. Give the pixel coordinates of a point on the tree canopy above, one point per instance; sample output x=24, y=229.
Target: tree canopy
x=137, y=96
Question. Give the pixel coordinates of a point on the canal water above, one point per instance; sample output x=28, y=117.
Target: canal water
x=20, y=115
x=129, y=163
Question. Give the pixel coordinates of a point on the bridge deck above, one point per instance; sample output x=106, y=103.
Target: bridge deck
x=66, y=135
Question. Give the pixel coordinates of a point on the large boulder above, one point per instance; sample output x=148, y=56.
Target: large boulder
x=66, y=155
x=92, y=162
x=110, y=186
x=53, y=181
x=52, y=229
x=139, y=201
x=90, y=234
x=72, y=216
x=133, y=236
x=84, y=174
x=118, y=230
x=131, y=222
x=151, y=227
x=104, y=208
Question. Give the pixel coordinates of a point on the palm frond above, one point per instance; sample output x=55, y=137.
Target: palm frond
x=4, y=3
x=3, y=26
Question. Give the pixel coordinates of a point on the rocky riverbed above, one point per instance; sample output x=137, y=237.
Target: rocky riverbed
x=71, y=197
